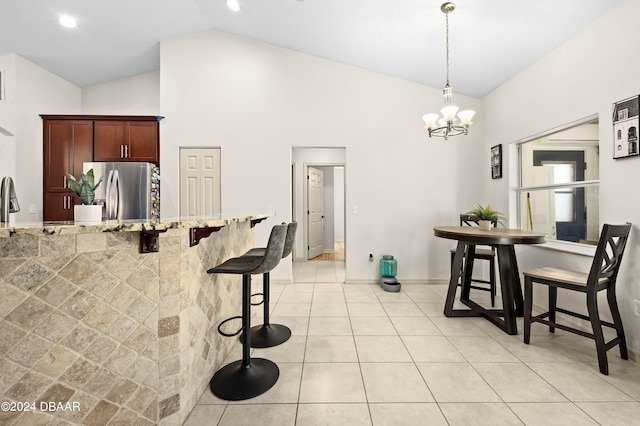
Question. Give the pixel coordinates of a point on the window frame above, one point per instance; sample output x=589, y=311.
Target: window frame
x=563, y=245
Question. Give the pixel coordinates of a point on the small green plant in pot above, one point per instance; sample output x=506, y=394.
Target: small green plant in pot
x=85, y=189
x=487, y=215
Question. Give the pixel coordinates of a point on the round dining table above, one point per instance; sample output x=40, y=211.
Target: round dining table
x=503, y=241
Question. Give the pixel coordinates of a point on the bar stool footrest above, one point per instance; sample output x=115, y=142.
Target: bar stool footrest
x=236, y=382
x=226, y=321
x=267, y=336
x=260, y=302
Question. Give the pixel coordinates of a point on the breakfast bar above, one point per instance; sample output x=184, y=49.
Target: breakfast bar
x=92, y=319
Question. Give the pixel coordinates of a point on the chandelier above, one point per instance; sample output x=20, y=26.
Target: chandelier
x=452, y=122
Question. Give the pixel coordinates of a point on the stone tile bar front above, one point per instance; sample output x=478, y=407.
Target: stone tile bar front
x=93, y=332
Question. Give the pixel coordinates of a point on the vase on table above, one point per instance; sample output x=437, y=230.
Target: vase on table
x=485, y=225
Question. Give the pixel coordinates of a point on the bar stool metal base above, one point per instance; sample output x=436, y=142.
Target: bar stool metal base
x=267, y=336
x=235, y=382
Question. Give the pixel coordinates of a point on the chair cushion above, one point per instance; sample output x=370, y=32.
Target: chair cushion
x=256, y=251
x=560, y=275
x=237, y=265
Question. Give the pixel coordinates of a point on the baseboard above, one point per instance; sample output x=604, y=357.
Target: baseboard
x=402, y=281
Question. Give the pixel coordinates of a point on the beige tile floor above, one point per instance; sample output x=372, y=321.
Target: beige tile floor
x=360, y=356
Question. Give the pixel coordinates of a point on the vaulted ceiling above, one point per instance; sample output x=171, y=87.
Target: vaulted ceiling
x=491, y=40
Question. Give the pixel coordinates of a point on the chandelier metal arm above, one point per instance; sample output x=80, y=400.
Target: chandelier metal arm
x=449, y=130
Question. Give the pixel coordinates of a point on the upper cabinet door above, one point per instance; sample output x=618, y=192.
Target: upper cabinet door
x=143, y=143
x=81, y=145
x=57, y=154
x=109, y=140
x=67, y=144
x=126, y=141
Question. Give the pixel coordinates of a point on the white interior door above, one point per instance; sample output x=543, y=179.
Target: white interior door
x=315, y=212
x=199, y=182
x=543, y=205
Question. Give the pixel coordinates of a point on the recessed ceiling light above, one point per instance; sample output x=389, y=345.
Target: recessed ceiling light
x=233, y=5
x=67, y=21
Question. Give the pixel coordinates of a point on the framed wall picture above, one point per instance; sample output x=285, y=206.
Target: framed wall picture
x=625, y=127
x=496, y=161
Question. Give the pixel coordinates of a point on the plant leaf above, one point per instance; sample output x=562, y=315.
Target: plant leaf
x=74, y=185
x=86, y=194
x=89, y=177
x=97, y=184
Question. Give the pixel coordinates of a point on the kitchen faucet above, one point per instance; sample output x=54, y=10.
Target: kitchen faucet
x=8, y=200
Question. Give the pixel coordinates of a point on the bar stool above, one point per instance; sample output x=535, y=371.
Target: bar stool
x=488, y=254
x=248, y=377
x=268, y=335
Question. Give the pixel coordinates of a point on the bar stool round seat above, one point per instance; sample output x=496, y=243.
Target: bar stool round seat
x=248, y=377
x=268, y=335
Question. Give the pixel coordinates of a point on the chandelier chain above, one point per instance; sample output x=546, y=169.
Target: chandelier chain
x=447, y=42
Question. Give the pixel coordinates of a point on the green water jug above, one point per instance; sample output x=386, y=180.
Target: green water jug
x=388, y=266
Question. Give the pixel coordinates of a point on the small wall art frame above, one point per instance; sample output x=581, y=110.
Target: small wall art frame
x=626, y=121
x=496, y=161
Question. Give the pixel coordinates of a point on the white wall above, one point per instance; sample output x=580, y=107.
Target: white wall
x=256, y=101
x=583, y=76
x=7, y=118
x=37, y=91
x=137, y=95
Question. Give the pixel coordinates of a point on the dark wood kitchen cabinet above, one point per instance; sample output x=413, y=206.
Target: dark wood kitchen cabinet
x=67, y=144
x=71, y=140
x=58, y=206
x=126, y=141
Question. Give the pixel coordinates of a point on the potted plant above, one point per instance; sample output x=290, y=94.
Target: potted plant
x=487, y=216
x=85, y=189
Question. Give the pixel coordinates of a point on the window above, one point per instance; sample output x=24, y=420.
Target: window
x=559, y=183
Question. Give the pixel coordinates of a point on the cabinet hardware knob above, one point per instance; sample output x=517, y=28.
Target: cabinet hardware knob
x=121, y=151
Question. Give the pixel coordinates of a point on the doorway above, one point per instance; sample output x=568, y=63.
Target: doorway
x=570, y=208
x=318, y=205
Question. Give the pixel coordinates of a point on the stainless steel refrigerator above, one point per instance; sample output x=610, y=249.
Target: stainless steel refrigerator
x=128, y=190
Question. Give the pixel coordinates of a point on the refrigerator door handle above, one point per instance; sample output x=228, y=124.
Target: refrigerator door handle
x=116, y=194
x=108, y=201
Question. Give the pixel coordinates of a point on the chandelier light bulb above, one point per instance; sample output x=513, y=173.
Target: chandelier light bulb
x=465, y=117
x=430, y=120
x=449, y=113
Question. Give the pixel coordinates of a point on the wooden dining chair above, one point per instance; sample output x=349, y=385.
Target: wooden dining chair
x=602, y=276
x=488, y=254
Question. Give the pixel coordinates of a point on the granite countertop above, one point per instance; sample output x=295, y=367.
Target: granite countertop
x=66, y=228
